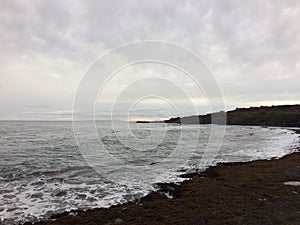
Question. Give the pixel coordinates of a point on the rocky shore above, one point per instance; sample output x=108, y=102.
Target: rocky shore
x=258, y=192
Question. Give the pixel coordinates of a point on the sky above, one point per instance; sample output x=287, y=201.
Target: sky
x=252, y=48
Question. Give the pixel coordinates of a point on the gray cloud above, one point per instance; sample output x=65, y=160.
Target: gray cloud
x=38, y=106
x=46, y=46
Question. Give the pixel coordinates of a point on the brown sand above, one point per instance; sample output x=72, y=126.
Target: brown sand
x=231, y=193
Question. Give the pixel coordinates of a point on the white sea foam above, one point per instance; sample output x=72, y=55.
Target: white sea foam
x=292, y=183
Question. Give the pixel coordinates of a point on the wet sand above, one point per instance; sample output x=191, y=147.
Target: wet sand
x=230, y=193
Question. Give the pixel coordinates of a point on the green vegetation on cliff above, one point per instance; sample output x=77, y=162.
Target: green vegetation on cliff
x=285, y=115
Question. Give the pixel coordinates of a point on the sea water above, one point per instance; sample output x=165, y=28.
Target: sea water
x=43, y=171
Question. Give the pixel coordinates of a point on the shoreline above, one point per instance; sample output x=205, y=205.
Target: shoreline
x=253, y=192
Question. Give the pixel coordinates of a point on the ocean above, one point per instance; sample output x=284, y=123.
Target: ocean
x=43, y=171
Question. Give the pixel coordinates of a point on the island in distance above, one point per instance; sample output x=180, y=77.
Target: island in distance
x=279, y=116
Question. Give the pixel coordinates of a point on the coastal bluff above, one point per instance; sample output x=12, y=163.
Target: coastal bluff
x=279, y=116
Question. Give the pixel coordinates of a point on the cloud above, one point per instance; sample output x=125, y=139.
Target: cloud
x=46, y=46
x=38, y=106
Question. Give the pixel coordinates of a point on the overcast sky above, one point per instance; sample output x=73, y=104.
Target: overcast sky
x=253, y=48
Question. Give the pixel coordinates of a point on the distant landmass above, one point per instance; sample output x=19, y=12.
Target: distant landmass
x=283, y=116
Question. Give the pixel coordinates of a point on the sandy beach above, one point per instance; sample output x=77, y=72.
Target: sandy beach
x=258, y=192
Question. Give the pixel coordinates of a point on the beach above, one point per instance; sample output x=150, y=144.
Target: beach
x=258, y=192
x=149, y=112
